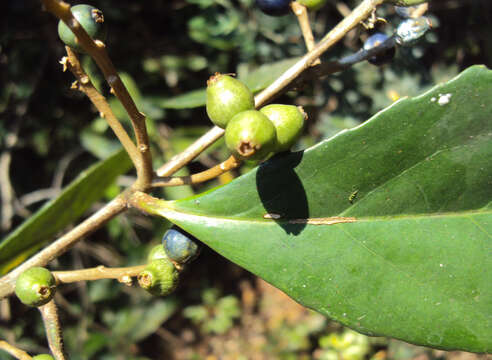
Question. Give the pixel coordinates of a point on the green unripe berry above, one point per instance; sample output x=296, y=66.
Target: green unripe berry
x=160, y=277
x=288, y=121
x=157, y=252
x=312, y=5
x=35, y=286
x=91, y=19
x=43, y=357
x=227, y=97
x=250, y=135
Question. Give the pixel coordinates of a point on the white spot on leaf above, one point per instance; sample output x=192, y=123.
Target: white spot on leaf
x=444, y=99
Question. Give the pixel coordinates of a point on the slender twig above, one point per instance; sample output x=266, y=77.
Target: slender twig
x=15, y=352
x=352, y=20
x=60, y=246
x=420, y=10
x=5, y=311
x=343, y=9
x=38, y=195
x=227, y=165
x=49, y=313
x=7, y=193
x=97, y=273
x=302, y=15
x=85, y=85
x=97, y=50
x=195, y=149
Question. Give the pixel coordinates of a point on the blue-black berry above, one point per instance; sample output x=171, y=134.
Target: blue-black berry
x=411, y=30
x=274, y=7
x=179, y=246
x=385, y=56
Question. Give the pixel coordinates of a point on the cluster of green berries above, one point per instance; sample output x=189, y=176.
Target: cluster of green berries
x=282, y=7
x=90, y=18
x=251, y=134
x=161, y=275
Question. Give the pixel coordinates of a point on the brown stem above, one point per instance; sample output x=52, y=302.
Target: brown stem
x=15, y=352
x=85, y=85
x=97, y=50
x=303, y=18
x=352, y=20
x=60, y=246
x=229, y=164
x=123, y=274
x=52, y=326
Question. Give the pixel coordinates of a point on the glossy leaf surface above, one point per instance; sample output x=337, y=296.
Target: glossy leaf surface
x=74, y=200
x=408, y=195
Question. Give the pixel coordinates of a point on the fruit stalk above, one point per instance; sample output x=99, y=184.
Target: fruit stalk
x=15, y=352
x=223, y=167
x=122, y=274
x=49, y=313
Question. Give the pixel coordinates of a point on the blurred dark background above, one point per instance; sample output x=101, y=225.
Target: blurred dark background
x=49, y=134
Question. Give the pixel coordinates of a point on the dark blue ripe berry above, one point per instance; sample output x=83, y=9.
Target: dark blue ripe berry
x=179, y=246
x=274, y=7
x=384, y=56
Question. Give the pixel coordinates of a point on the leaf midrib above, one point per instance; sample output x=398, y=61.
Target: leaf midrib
x=399, y=217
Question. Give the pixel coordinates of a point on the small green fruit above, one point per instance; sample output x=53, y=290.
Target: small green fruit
x=227, y=97
x=250, y=135
x=43, y=357
x=312, y=5
x=288, y=121
x=157, y=252
x=159, y=277
x=35, y=286
x=91, y=19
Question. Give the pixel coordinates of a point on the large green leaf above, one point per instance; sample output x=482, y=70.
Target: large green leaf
x=410, y=254
x=74, y=200
x=256, y=80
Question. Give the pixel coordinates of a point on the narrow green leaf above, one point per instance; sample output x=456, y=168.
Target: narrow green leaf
x=408, y=253
x=189, y=100
x=256, y=80
x=60, y=212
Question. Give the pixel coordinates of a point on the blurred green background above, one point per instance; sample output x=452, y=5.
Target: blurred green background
x=164, y=50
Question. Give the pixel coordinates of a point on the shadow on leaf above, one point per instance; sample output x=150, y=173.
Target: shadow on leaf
x=281, y=191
